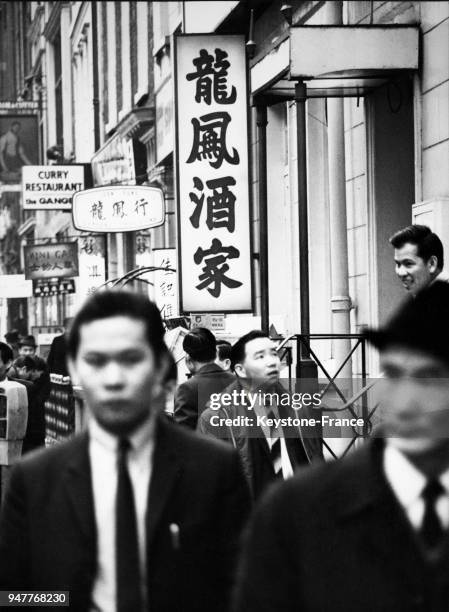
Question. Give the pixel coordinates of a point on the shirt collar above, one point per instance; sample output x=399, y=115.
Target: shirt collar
x=405, y=479
x=138, y=439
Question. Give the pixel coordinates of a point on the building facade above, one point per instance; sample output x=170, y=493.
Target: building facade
x=376, y=148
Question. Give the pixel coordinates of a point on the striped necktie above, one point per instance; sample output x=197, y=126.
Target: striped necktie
x=274, y=444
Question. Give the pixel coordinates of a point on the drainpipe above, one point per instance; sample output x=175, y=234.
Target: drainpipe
x=261, y=122
x=95, y=55
x=340, y=301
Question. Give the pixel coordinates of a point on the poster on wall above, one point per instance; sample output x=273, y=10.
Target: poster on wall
x=19, y=144
x=212, y=164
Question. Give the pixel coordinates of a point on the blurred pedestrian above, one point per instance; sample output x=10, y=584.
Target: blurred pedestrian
x=57, y=356
x=419, y=257
x=32, y=373
x=370, y=531
x=6, y=359
x=137, y=513
x=193, y=395
x=12, y=338
x=27, y=346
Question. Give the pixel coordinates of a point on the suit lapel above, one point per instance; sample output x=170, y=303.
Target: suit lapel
x=367, y=500
x=166, y=471
x=78, y=489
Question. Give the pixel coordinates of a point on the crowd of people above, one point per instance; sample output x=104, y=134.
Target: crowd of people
x=228, y=504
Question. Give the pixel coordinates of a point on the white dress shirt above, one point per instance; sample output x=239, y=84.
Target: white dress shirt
x=103, y=453
x=408, y=483
x=261, y=410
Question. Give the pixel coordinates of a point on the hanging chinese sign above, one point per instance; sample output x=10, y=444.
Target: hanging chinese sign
x=165, y=282
x=43, y=288
x=51, y=260
x=92, y=265
x=213, y=184
x=126, y=208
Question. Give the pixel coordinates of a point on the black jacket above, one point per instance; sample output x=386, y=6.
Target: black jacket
x=192, y=396
x=335, y=539
x=48, y=533
x=251, y=443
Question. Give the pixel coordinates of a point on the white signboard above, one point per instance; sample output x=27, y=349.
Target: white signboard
x=118, y=209
x=92, y=265
x=50, y=187
x=15, y=286
x=166, y=282
x=213, y=184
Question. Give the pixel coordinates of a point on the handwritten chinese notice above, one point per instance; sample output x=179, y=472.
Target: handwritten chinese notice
x=213, y=183
x=165, y=282
x=118, y=209
x=51, y=260
x=92, y=265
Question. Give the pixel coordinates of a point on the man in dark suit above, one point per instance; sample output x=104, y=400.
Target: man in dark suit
x=207, y=378
x=369, y=532
x=135, y=514
x=243, y=414
x=57, y=356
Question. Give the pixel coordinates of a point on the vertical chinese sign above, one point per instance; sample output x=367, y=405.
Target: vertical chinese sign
x=214, y=249
x=92, y=265
x=165, y=282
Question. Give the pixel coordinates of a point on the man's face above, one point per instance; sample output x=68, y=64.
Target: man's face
x=412, y=270
x=25, y=350
x=24, y=373
x=15, y=127
x=116, y=367
x=261, y=361
x=414, y=400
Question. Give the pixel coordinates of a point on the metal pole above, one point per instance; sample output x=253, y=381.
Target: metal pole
x=261, y=122
x=301, y=139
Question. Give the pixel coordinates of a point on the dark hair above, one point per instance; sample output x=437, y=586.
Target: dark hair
x=200, y=345
x=426, y=241
x=223, y=349
x=419, y=324
x=5, y=352
x=12, y=336
x=28, y=341
x=25, y=361
x=171, y=369
x=106, y=304
x=238, y=350
x=40, y=364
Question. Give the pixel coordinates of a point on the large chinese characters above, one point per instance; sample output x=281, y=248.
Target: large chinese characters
x=209, y=144
x=213, y=173
x=213, y=189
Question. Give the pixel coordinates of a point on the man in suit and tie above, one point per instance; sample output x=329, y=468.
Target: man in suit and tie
x=136, y=513
x=243, y=412
x=369, y=532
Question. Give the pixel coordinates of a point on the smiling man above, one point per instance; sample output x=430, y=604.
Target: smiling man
x=419, y=257
x=255, y=399
x=136, y=513
x=370, y=531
